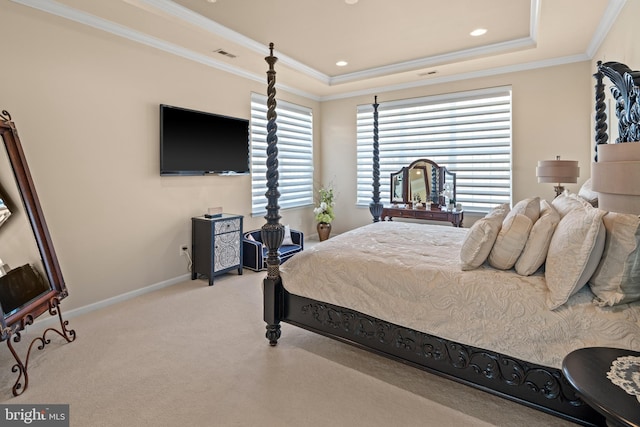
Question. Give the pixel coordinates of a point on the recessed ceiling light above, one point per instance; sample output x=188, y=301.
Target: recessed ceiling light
x=351, y=1
x=341, y=63
x=211, y=1
x=478, y=32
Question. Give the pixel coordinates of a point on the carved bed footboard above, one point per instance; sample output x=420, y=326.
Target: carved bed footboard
x=537, y=386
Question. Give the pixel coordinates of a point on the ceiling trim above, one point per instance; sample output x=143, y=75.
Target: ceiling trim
x=610, y=15
x=193, y=18
x=434, y=60
x=177, y=11
x=63, y=11
x=464, y=76
x=58, y=9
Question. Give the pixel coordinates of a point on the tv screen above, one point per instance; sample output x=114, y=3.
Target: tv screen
x=199, y=143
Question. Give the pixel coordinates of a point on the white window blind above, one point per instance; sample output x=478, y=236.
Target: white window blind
x=295, y=154
x=469, y=133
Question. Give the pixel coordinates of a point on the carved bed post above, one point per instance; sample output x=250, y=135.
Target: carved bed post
x=375, y=207
x=601, y=112
x=272, y=232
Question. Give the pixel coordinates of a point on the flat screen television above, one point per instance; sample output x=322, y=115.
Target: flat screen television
x=198, y=143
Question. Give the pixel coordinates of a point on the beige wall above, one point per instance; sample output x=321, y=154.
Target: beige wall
x=86, y=105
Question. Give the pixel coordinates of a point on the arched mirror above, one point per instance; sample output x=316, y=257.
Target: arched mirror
x=31, y=282
x=424, y=182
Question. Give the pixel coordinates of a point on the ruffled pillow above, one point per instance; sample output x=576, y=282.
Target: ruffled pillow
x=510, y=241
x=481, y=237
x=514, y=233
x=535, y=250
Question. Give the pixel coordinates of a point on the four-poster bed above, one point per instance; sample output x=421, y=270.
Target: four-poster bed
x=342, y=300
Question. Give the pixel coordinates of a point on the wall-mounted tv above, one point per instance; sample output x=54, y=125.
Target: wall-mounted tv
x=198, y=143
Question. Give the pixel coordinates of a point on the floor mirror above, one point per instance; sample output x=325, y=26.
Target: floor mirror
x=31, y=282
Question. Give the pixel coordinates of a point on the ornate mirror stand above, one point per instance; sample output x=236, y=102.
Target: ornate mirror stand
x=45, y=273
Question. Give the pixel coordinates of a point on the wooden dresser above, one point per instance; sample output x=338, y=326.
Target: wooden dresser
x=454, y=217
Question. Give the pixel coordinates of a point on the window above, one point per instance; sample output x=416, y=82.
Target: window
x=295, y=154
x=469, y=133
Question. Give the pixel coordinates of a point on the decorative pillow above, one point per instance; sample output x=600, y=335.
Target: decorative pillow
x=535, y=250
x=567, y=202
x=587, y=193
x=510, y=241
x=250, y=237
x=480, y=238
x=617, y=278
x=529, y=207
x=574, y=253
x=287, y=236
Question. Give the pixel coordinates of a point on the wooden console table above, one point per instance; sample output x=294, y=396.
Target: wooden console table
x=454, y=217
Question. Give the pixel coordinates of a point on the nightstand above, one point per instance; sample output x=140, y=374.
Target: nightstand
x=586, y=370
x=216, y=245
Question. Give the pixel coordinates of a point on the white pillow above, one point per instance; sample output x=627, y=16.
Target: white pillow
x=587, y=193
x=287, y=236
x=574, y=253
x=567, y=202
x=535, y=250
x=617, y=278
x=510, y=241
x=480, y=238
x=529, y=207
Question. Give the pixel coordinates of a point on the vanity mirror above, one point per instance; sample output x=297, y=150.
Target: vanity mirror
x=427, y=191
x=31, y=281
x=424, y=181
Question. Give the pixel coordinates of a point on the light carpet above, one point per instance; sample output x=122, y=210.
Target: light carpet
x=195, y=355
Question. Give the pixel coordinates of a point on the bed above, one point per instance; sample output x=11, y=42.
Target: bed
x=398, y=290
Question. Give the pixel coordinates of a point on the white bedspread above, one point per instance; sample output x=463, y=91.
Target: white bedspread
x=409, y=274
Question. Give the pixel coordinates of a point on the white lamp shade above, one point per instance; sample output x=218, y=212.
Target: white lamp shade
x=557, y=171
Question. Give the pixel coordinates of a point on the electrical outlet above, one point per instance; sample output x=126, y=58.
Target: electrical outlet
x=183, y=250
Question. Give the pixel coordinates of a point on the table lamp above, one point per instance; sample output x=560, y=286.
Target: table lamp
x=558, y=171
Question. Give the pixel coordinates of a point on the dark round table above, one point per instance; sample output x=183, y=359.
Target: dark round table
x=586, y=370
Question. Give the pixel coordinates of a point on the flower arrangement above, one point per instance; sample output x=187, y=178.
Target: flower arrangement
x=324, y=211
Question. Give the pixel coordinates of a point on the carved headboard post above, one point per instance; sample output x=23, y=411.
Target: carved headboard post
x=375, y=207
x=601, y=112
x=616, y=172
x=272, y=232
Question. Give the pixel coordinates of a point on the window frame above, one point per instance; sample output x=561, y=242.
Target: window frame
x=469, y=132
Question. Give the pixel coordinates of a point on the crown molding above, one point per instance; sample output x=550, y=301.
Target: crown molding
x=180, y=12
x=63, y=11
x=175, y=10
x=610, y=15
x=193, y=18
x=464, y=76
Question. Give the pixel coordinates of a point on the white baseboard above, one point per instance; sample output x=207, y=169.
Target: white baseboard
x=46, y=322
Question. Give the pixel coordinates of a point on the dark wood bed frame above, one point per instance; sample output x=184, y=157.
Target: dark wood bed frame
x=533, y=385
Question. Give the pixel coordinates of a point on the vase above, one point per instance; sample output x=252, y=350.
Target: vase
x=324, y=229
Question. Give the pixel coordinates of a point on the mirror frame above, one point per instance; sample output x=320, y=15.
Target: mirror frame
x=403, y=174
x=17, y=321
x=439, y=176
